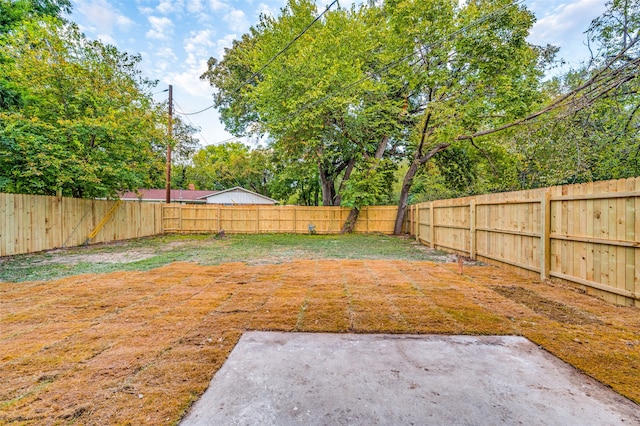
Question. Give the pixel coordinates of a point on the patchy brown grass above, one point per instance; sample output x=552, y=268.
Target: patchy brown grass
x=140, y=347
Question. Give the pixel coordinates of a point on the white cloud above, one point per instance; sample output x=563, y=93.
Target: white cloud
x=564, y=26
x=169, y=6
x=565, y=23
x=218, y=5
x=107, y=39
x=124, y=22
x=162, y=66
x=189, y=81
x=167, y=53
x=161, y=28
x=102, y=17
x=265, y=9
x=195, y=6
x=199, y=46
x=146, y=10
x=237, y=21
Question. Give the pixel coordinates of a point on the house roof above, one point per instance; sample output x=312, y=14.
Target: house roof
x=161, y=195
x=241, y=189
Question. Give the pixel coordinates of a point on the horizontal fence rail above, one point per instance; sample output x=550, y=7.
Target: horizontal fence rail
x=186, y=218
x=588, y=234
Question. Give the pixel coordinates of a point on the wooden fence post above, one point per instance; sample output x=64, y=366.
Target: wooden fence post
x=545, y=232
x=367, y=219
x=412, y=220
x=432, y=225
x=472, y=229
x=416, y=225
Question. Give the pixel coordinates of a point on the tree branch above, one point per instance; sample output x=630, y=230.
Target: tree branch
x=598, y=81
x=429, y=155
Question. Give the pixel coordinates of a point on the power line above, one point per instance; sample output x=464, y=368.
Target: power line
x=270, y=61
x=235, y=138
x=231, y=139
x=197, y=112
x=255, y=74
x=192, y=123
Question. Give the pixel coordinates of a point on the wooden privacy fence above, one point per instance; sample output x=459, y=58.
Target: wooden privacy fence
x=187, y=218
x=31, y=223
x=587, y=234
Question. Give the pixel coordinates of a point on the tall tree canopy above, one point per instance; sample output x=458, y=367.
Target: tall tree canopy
x=590, y=130
x=83, y=122
x=12, y=14
x=381, y=82
x=287, y=100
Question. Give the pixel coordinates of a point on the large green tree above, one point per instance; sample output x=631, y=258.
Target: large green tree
x=442, y=89
x=471, y=69
x=370, y=85
x=288, y=99
x=86, y=125
x=12, y=14
x=589, y=130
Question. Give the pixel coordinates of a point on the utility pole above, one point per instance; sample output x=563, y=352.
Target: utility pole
x=170, y=131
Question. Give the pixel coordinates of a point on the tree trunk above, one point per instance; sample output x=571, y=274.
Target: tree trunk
x=350, y=223
x=347, y=175
x=328, y=191
x=408, y=181
x=404, y=196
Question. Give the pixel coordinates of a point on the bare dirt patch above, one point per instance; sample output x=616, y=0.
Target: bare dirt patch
x=122, y=257
x=549, y=308
x=140, y=347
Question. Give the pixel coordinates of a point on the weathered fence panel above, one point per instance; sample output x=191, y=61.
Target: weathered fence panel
x=32, y=223
x=588, y=234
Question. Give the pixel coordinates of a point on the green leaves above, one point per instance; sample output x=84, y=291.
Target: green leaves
x=84, y=123
x=220, y=167
x=371, y=184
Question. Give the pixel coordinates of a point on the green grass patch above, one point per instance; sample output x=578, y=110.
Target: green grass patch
x=148, y=253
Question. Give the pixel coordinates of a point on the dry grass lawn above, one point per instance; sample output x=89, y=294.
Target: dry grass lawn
x=140, y=347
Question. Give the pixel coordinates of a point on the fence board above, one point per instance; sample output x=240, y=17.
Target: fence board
x=31, y=223
x=592, y=234
x=3, y=224
x=274, y=219
x=10, y=224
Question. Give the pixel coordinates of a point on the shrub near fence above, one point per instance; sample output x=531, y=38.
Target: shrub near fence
x=32, y=223
x=189, y=218
x=588, y=234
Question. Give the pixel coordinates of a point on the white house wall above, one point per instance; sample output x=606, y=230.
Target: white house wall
x=237, y=197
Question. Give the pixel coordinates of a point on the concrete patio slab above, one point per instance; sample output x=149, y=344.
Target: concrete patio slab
x=274, y=378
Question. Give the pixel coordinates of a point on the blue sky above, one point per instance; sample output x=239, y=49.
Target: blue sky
x=176, y=37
